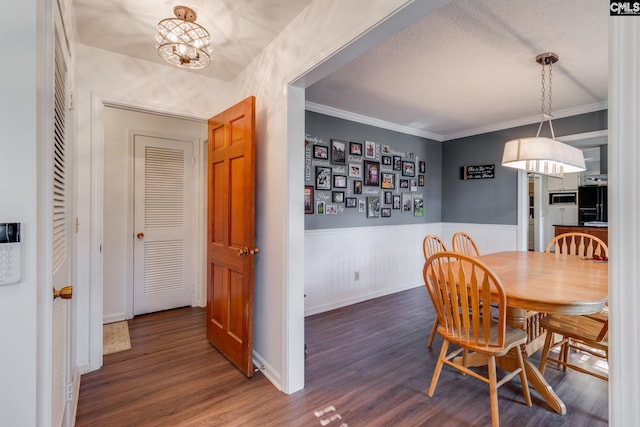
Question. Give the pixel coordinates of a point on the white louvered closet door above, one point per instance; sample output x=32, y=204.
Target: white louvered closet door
x=163, y=211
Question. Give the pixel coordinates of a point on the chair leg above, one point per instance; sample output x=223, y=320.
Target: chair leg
x=523, y=376
x=434, y=329
x=436, y=372
x=545, y=352
x=565, y=349
x=493, y=392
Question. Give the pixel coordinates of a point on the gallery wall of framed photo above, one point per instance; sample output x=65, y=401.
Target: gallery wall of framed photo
x=358, y=175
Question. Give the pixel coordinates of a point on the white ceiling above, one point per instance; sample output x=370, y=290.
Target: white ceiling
x=465, y=69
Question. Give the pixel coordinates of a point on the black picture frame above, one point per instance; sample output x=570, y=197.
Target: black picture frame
x=404, y=183
x=388, y=180
x=338, y=152
x=396, y=202
x=373, y=206
x=420, y=180
x=355, y=149
x=408, y=168
x=386, y=160
x=351, y=202
x=397, y=163
x=421, y=166
x=357, y=186
x=320, y=152
x=340, y=181
x=371, y=173
x=308, y=199
x=385, y=212
x=388, y=197
x=418, y=206
x=323, y=178
x=337, y=197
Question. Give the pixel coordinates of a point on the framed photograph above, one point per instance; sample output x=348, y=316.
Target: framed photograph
x=371, y=173
x=340, y=181
x=320, y=152
x=388, y=180
x=370, y=149
x=407, y=202
x=373, y=207
x=320, y=207
x=397, y=163
x=396, y=202
x=385, y=149
x=355, y=170
x=355, y=149
x=337, y=197
x=420, y=180
x=388, y=197
x=404, y=183
x=414, y=185
x=418, y=207
x=421, y=166
x=308, y=199
x=351, y=202
x=357, y=187
x=338, y=152
x=385, y=212
x=362, y=204
x=386, y=160
x=332, y=209
x=408, y=168
x=323, y=178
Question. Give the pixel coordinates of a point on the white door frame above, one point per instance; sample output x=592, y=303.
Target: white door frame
x=98, y=102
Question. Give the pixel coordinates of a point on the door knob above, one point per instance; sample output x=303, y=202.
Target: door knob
x=140, y=235
x=246, y=251
x=64, y=293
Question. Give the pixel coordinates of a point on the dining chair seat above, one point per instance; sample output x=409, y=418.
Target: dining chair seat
x=588, y=333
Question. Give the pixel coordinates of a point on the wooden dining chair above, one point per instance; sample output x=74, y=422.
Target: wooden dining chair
x=578, y=244
x=432, y=244
x=462, y=289
x=463, y=243
x=584, y=333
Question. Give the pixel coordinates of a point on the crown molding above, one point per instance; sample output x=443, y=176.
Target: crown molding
x=359, y=118
x=354, y=117
x=589, y=108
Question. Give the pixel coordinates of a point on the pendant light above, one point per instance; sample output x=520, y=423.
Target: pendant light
x=182, y=42
x=541, y=155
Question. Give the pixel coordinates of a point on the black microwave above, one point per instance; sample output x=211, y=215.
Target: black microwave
x=564, y=198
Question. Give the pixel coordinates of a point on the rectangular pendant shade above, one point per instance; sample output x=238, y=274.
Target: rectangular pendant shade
x=543, y=156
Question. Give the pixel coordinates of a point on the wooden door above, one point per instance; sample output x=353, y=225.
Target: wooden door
x=162, y=267
x=230, y=233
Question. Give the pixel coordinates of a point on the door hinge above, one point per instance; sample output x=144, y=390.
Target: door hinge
x=77, y=224
x=69, y=392
x=71, y=104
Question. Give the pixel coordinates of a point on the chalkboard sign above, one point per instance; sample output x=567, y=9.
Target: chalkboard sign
x=477, y=172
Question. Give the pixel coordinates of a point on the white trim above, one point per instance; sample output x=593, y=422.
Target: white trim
x=267, y=370
x=359, y=118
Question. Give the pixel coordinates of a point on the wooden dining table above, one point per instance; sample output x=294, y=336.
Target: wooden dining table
x=537, y=283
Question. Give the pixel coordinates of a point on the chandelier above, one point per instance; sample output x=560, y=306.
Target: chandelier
x=182, y=42
x=540, y=155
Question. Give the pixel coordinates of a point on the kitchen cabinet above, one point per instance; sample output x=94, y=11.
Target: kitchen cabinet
x=569, y=182
x=600, y=232
x=564, y=215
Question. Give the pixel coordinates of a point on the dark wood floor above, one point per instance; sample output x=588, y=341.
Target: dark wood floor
x=369, y=361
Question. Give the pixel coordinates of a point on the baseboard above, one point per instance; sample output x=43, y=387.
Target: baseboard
x=114, y=318
x=267, y=370
x=75, y=395
x=360, y=298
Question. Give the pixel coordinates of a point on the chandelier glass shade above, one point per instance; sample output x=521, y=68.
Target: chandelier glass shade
x=182, y=42
x=541, y=155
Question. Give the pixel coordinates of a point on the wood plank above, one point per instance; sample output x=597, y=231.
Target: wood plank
x=369, y=360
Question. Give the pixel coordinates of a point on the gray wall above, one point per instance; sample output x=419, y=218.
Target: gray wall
x=494, y=201
x=320, y=129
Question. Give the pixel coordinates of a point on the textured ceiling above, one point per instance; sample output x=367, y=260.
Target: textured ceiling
x=471, y=64
x=462, y=70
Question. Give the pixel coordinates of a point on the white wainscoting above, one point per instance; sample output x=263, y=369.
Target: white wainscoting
x=387, y=259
